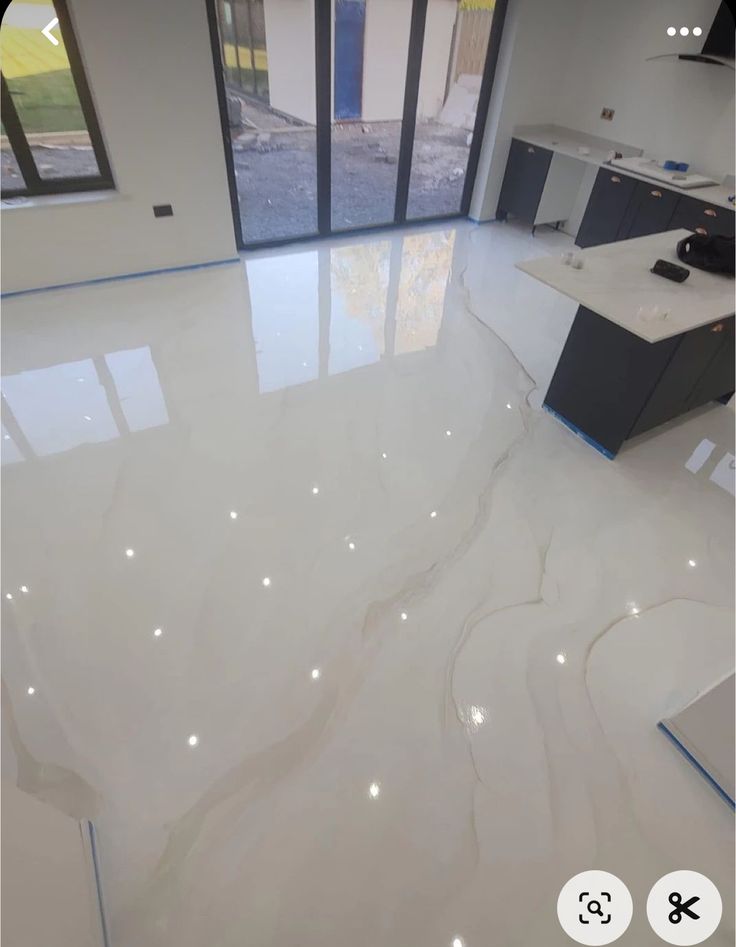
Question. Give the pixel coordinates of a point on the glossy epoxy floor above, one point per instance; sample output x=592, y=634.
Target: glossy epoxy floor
x=334, y=634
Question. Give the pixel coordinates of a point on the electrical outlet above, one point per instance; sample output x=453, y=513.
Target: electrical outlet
x=163, y=210
x=607, y=114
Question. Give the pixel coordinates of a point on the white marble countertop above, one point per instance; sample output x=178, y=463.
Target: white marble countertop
x=616, y=282
x=567, y=141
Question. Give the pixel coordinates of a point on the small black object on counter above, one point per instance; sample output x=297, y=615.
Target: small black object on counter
x=671, y=271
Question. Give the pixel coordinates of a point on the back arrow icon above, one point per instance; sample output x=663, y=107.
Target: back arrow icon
x=47, y=31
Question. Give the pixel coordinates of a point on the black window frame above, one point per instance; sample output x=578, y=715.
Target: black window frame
x=323, y=17
x=35, y=184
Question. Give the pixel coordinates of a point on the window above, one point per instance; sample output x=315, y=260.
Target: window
x=51, y=141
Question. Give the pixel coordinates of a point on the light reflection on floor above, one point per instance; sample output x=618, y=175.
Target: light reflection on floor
x=332, y=632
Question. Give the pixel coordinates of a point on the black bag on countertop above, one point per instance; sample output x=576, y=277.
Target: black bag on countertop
x=713, y=254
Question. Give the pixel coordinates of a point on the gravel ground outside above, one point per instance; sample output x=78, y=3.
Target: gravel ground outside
x=275, y=166
x=277, y=177
x=52, y=161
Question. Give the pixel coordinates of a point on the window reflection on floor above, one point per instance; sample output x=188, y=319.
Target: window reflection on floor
x=316, y=314
x=334, y=309
x=426, y=261
x=54, y=409
x=359, y=275
x=284, y=301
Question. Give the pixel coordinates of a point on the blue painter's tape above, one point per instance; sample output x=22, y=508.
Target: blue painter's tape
x=113, y=279
x=98, y=883
x=576, y=430
x=691, y=759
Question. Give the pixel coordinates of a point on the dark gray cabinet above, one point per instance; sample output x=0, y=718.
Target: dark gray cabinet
x=607, y=205
x=702, y=217
x=689, y=380
x=610, y=385
x=650, y=211
x=621, y=207
x=717, y=381
x=523, y=182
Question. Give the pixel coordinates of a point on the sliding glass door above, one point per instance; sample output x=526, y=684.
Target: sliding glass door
x=344, y=115
x=370, y=41
x=454, y=55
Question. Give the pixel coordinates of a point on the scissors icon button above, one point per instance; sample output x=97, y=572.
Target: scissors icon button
x=684, y=908
x=675, y=900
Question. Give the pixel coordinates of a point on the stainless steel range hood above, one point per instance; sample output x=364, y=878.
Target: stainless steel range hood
x=718, y=49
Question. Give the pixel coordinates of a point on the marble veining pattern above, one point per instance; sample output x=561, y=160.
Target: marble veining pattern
x=336, y=635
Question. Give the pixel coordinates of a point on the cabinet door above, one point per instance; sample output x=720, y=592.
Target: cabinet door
x=606, y=208
x=705, y=218
x=672, y=390
x=650, y=211
x=523, y=182
x=718, y=377
x=604, y=378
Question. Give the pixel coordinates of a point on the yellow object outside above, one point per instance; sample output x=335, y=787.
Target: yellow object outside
x=231, y=62
x=26, y=52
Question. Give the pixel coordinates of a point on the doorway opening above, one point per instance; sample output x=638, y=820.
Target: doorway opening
x=347, y=115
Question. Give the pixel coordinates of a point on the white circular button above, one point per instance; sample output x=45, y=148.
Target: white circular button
x=594, y=908
x=684, y=908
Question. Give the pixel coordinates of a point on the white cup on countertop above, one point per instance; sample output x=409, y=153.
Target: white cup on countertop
x=654, y=313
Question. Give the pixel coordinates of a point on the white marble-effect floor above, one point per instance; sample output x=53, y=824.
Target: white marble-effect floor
x=443, y=703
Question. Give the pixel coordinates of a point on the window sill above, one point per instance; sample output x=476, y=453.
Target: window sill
x=52, y=200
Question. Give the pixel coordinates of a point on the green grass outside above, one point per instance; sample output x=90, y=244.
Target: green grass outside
x=47, y=102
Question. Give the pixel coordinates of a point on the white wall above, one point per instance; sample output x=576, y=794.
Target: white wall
x=290, y=49
x=528, y=77
x=48, y=891
x=562, y=62
x=150, y=68
x=677, y=110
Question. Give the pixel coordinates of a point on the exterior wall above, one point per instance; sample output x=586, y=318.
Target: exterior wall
x=386, y=48
x=291, y=63
x=386, y=51
x=436, y=56
x=290, y=47
x=160, y=120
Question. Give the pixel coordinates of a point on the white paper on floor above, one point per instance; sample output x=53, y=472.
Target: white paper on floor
x=724, y=473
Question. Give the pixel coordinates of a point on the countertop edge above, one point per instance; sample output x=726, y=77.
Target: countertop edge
x=704, y=194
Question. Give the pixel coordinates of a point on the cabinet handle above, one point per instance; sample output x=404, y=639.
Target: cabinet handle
x=615, y=179
x=656, y=193
x=530, y=150
x=701, y=230
x=718, y=327
x=709, y=212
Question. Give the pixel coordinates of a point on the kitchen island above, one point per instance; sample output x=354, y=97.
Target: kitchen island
x=642, y=350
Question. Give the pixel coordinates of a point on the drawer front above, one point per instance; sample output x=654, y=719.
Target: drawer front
x=650, y=211
x=606, y=207
x=523, y=182
x=703, y=218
